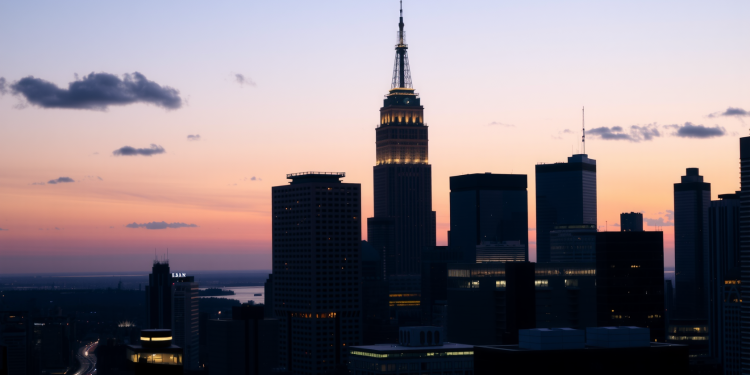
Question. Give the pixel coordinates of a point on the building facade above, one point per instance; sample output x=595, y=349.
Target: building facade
x=16, y=334
x=185, y=317
x=565, y=195
x=505, y=251
x=631, y=222
x=159, y=296
x=573, y=243
x=745, y=251
x=630, y=280
x=402, y=175
x=316, y=266
x=488, y=207
x=692, y=197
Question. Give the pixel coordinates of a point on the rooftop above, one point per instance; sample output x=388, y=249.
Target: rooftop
x=395, y=348
x=515, y=348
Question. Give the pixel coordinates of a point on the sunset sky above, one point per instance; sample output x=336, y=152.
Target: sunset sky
x=275, y=87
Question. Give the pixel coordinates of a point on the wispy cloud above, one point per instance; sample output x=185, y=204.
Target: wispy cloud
x=194, y=137
x=634, y=133
x=97, y=91
x=242, y=80
x=3, y=86
x=731, y=112
x=666, y=221
x=690, y=130
x=160, y=225
x=2, y=229
x=502, y=124
x=132, y=151
x=60, y=180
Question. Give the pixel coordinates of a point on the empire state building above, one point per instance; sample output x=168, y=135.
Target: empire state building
x=404, y=223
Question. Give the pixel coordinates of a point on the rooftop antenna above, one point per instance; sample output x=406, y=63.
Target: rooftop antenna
x=583, y=124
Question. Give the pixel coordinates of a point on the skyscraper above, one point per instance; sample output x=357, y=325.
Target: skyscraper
x=631, y=222
x=565, y=195
x=745, y=251
x=402, y=175
x=159, y=296
x=488, y=207
x=185, y=319
x=316, y=270
x=692, y=198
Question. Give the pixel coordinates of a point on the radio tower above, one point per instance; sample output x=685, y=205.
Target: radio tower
x=401, y=71
x=583, y=124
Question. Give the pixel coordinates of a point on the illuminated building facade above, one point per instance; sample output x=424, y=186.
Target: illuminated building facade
x=316, y=270
x=505, y=251
x=155, y=355
x=488, y=207
x=630, y=280
x=404, y=222
x=185, y=318
x=565, y=195
x=420, y=350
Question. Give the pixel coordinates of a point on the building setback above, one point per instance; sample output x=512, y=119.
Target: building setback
x=692, y=198
x=488, y=207
x=316, y=270
x=565, y=195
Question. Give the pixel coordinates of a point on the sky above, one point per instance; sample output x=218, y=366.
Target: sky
x=132, y=128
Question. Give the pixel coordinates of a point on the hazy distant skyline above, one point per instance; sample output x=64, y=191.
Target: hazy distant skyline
x=201, y=108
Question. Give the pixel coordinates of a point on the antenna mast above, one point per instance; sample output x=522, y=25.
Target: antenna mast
x=583, y=124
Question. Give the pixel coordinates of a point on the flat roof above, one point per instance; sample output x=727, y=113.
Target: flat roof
x=515, y=348
x=391, y=348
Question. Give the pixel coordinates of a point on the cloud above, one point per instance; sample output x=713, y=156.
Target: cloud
x=495, y=123
x=132, y=151
x=97, y=91
x=242, y=80
x=38, y=183
x=56, y=228
x=738, y=112
x=160, y=225
x=2, y=229
x=615, y=224
x=635, y=133
x=3, y=86
x=194, y=137
x=567, y=131
x=697, y=131
x=60, y=180
x=670, y=215
x=660, y=222
x=255, y=178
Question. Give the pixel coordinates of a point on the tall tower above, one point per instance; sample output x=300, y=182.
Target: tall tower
x=159, y=296
x=404, y=222
x=745, y=253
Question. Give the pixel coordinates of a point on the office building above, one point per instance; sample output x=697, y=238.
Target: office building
x=488, y=207
x=489, y=302
x=574, y=243
x=376, y=325
x=54, y=338
x=505, y=251
x=316, y=270
x=16, y=334
x=159, y=296
x=631, y=222
x=606, y=350
x=630, y=280
x=433, y=299
x=155, y=355
x=692, y=333
x=404, y=222
x=185, y=326
x=247, y=344
x=268, y=297
x=745, y=251
x=692, y=197
x=565, y=195
x=728, y=339
x=420, y=350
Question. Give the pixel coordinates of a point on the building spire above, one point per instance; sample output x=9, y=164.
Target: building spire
x=401, y=71
x=583, y=124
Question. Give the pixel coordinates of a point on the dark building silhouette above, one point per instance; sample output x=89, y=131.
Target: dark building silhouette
x=668, y=301
x=404, y=222
x=316, y=270
x=376, y=325
x=690, y=332
x=490, y=310
x=54, y=337
x=565, y=195
x=724, y=257
x=248, y=344
x=434, y=284
x=729, y=337
x=573, y=243
x=16, y=334
x=268, y=297
x=488, y=207
x=631, y=222
x=155, y=355
x=606, y=350
x=745, y=250
x=185, y=320
x=159, y=296
x=3, y=360
x=692, y=198
x=630, y=280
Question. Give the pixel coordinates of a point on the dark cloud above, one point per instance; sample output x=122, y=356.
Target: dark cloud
x=635, y=133
x=495, y=123
x=567, y=131
x=738, y=112
x=698, y=131
x=194, y=137
x=3, y=86
x=160, y=225
x=97, y=91
x=242, y=80
x=60, y=180
x=132, y=151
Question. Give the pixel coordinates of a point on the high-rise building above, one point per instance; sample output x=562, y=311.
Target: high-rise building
x=565, y=195
x=631, y=222
x=745, y=250
x=402, y=175
x=692, y=197
x=724, y=257
x=376, y=327
x=630, y=280
x=729, y=335
x=159, y=296
x=316, y=270
x=268, y=297
x=488, y=207
x=247, y=344
x=505, y=251
x=433, y=299
x=572, y=243
x=16, y=334
x=185, y=326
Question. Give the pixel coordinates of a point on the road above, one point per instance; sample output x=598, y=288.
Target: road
x=87, y=359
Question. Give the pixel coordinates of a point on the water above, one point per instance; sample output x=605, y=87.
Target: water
x=244, y=294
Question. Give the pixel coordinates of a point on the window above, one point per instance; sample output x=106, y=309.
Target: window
x=571, y=283
x=544, y=283
x=500, y=284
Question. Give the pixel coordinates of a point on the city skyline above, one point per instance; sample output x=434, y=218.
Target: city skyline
x=192, y=171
